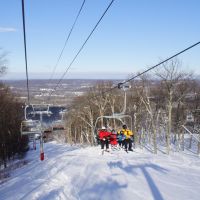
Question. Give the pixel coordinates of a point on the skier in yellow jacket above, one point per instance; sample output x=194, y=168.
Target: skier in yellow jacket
x=128, y=138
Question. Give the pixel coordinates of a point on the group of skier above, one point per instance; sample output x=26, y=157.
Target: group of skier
x=124, y=138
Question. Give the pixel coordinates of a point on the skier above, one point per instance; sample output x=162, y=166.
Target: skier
x=104, y=137
x=120, y=138
x=113, y=139
x=128, y=138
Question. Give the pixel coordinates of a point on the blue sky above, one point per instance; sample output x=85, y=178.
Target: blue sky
x=134, y=35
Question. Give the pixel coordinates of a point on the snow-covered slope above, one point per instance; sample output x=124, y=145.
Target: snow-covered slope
x=73, y=173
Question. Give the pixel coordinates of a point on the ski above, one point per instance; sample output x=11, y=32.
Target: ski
x=107, y=151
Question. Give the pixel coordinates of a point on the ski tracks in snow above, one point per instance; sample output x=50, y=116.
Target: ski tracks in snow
x=55, y=183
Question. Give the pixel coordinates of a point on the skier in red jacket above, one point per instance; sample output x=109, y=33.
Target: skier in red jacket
x=104, y=137
x=113, y=139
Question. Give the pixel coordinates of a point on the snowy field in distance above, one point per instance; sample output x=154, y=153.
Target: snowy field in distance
x=73, y=173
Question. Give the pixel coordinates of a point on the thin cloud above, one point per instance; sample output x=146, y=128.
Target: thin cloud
x=7, y=29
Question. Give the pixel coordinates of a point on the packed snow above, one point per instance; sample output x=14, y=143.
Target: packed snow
x=74, y=172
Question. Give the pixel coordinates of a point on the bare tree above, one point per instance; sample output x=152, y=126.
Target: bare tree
x=144, y=93
x=3, y=63
x=100, y=98
x=171, y=77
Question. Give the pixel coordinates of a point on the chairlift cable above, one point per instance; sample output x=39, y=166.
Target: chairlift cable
x=25, y=51
x=147, y=70
x=151, y=68
x=173, y=56
x=66, y=41
x=82, y=47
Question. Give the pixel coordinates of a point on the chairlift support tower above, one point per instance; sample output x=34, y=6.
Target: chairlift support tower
x=29, y=126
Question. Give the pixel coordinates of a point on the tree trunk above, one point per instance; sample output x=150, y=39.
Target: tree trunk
x=183, y=141
x=178, y=140
x=190, y=144
x=154, y=139
x=169, y=124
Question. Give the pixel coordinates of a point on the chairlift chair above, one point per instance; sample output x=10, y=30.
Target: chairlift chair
x=30, y=127
x=37, y=109
x=58, y=125
x=120, y=117
x=124, y=86
x=41, y=108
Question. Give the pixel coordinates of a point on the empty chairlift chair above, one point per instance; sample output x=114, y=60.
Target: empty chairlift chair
x=31, y=128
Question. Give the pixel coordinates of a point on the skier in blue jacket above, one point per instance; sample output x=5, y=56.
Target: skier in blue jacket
x=120, y=138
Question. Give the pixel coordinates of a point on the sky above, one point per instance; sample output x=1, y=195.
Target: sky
x=71, y=173
x=133, y=35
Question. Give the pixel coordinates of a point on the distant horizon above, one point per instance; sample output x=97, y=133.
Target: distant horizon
x=81, y=75
x=58, y=79
x=65, y=79
x=78, y=76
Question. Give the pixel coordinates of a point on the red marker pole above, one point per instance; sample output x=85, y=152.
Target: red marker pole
x=41, y=140
x=41, y=148
x=42, y=156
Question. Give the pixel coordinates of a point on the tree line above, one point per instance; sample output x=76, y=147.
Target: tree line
x=11, y=115
x=12, y=144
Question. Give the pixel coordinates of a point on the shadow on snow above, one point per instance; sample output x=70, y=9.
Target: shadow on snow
x=102, y=190
x=130, y=169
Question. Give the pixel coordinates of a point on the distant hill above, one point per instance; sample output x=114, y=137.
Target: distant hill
x=41, y=89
